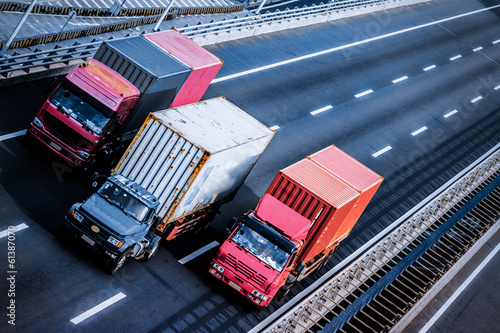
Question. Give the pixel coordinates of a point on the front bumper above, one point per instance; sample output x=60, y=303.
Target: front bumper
x=56, y=146
x=239, y=285
x=89, y=241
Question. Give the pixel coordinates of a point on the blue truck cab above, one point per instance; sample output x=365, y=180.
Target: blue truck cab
x=116, y=222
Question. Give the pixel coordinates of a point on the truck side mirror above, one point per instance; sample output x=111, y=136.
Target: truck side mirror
x=96, y=178
x=232, y=225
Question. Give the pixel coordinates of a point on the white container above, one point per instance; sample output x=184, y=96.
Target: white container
x=193, y=156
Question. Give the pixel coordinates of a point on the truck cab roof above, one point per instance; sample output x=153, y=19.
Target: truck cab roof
x=135, y=189
x=102, y=83
x=283, y=217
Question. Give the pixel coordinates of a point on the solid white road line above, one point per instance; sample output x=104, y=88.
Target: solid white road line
x=497, y=87
x=380, y=152
x=89, y=313
x=275, y=127
x=496, y=41
x=420, y=130
x=477, y=49
x=400, y=79
x=429, y=68
x=16, y=229
x=326, y=108
x=346, y=46
x=456, y=57
x=364, y=93
x=12, y=135
x=478, y=98
x=449, y=114
x=198, y=252
x=459, y=290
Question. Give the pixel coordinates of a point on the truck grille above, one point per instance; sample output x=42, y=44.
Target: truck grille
x=244, y=270
x=67, y=132
x=102, y=236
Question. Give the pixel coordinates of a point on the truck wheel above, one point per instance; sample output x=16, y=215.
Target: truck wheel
x=325, y=261
x=280, y=295
x=155, y=248
x=201, y=228
x=116, y=264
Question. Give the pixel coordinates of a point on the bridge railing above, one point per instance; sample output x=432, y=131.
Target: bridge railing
x=60, y=60
x=313, y=304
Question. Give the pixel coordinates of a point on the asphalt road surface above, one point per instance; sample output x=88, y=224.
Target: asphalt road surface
x=417, y=108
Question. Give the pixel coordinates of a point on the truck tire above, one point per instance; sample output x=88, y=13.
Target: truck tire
x=115, y=265
x=201, y=228
x=280, y=295
x=325, y=261
x=153, y=251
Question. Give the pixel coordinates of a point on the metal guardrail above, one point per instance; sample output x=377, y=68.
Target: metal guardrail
x=24, y=63
x=44, y=9
x=343, y=290
x=57, y=37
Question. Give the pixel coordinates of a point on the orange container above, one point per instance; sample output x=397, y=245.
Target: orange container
x=329, y=188
x=352, y=172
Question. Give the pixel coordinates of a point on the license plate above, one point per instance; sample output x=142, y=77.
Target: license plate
x=88, y=240
x=55, y=146
x=234, y=285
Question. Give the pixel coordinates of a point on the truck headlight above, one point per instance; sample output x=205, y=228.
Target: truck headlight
x=115, y=241
x=84, y=154
x=77, y=216
x=218, y=267
x=259, y=295
x=37, y=122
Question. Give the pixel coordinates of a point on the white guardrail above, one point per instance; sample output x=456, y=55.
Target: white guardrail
x=61, y=60
x=337, y=286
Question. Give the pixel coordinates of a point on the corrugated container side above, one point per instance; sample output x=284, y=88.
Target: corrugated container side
x=320, y=197
x=204, y=64
x=163, y=162
x=158, y=75
x=121, y=63
x=352, y=172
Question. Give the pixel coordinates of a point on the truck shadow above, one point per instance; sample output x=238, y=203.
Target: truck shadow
x=43, y=188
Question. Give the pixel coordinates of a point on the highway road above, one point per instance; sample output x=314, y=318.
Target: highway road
x=417, y=108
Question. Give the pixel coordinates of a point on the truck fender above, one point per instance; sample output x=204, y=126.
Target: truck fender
x=152, y=248
x=138, y=248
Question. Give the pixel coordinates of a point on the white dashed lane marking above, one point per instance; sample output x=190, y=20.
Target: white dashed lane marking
x=89, y=313
x=420, y=130
x=380, y=152
x=451, y=113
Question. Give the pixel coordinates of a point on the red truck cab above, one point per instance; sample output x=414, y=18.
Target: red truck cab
x=261, y=250
x=85, y=108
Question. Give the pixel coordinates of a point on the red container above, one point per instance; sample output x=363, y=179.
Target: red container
x=329, y=188
x=204, y=64
x=358, y=176
x=320, y=197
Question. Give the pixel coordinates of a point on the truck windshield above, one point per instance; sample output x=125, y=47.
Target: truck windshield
x=261, y=247
x=120, y=198
x=67, y=99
